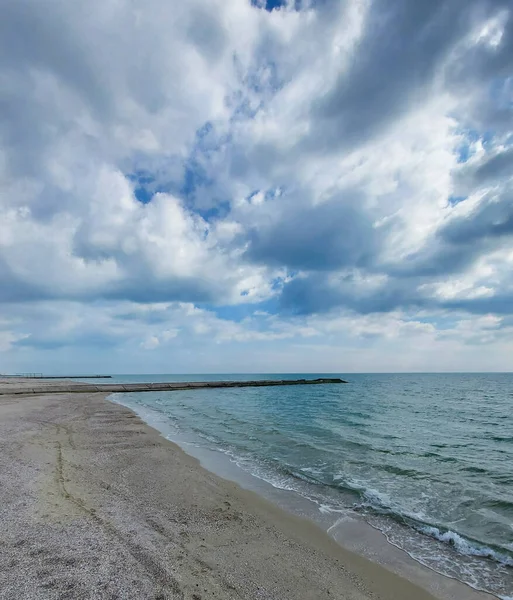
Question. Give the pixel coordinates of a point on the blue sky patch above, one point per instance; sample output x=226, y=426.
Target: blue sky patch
x=269, y=4
x=454, y=200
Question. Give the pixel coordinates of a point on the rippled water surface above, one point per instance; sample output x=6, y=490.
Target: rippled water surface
x=426, y=458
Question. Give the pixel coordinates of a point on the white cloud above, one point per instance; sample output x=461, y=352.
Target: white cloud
x=8, y=338
x=344, y=164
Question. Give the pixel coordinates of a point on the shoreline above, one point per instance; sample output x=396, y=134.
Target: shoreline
x=353, y=533
x=99, y=505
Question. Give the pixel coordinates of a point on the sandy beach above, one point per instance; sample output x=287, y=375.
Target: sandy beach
x=96, y=504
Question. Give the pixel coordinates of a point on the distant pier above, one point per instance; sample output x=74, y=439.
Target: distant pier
x=81, y=388
x=41, y=376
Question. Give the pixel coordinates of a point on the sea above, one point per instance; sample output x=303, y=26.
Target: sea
x=427, y=459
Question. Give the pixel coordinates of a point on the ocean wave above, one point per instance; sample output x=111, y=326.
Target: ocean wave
x=381, y=504
x=371, y=499
x=498, y=503
x=477, y=470
x=439, y=457
x=394, y=470
x=465, y=546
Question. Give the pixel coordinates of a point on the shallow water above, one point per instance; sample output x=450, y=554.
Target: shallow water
x=426, y=458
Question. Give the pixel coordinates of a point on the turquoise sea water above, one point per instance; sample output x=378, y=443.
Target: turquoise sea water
x=426, y=458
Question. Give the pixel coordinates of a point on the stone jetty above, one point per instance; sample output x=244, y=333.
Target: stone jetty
x=29, y=386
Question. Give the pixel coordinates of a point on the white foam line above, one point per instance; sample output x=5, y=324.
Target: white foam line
x=431, y=568
x=336, y=523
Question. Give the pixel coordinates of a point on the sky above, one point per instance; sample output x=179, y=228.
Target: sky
x=256, y=186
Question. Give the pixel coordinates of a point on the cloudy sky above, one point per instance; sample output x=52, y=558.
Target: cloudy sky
x=237, y=186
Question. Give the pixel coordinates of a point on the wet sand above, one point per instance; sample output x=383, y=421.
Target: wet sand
x=96, y=504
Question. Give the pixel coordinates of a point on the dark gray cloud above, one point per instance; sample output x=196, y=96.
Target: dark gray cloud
x=41, y=48
x=330, y=247
x=207, y=33
x=404, y=48
x=141, y=288
x=459, y=243
x=49, y=341
x=15, y=289
x=491, y=170
x=498, y=166
x=324, y=237
x=48, y=37
x=146, y=289
x=499, y=304
x=492, y=220
x=314, y=293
